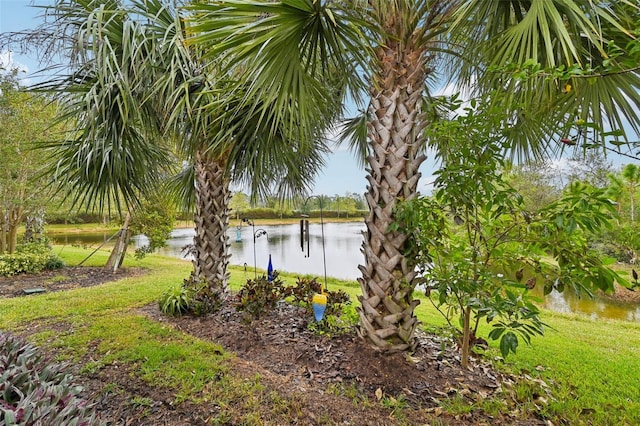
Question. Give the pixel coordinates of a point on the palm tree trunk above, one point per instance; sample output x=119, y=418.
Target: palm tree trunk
x=388, y=278
x=211, y=243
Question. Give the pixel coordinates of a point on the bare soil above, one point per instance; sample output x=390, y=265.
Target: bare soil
x=61, y=279
x=622, y=295
x=294, y=362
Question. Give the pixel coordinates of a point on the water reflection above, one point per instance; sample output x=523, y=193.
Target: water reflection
x=342, y=246
x=595, y=308
x=343, y=242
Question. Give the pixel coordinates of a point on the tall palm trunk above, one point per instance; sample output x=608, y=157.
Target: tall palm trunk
x=388, y=279
x=211, y=243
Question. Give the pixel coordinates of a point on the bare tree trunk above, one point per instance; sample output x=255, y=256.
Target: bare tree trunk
x=466, y=336
x=388, y=278
x=211, y=243
x=120, y=247
x=14, y=218
x=34, y=226
x=3, y=232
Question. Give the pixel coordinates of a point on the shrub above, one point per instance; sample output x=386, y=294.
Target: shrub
x=305, y=288
x=176, y=301
x=260, y=295
x=336, y=321
x=29, y=258
x=194, y=297
x=337, y=318
x=34, y=390
x=154, y=218
x=205, y=298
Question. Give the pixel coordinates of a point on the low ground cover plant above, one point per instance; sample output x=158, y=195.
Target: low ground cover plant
x=34, y=390
x=260, y=295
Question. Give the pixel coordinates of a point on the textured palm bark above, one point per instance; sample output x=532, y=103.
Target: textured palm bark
x=388, y=278
x=211, y=243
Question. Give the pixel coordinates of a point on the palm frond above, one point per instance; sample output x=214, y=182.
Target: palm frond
x=285, y=51
x=181, y=187
x=556, y=61
x=354, y=132
x=113, y=150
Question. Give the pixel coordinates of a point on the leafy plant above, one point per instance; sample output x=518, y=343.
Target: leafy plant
x=176, y=301
x=155, y=219
x=303, y=291
x=29, y=258
x=305, y=288
x=473, y=240
x=337, y=322
x=194, y=297
x=337, y=318
x=260, y=295
x=204, y=298
x=34, y=390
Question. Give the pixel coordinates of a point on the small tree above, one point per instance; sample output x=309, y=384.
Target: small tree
x=536, y=181
x=154, y=218
x=25, y=119
x=239, y=203
x=481, y=252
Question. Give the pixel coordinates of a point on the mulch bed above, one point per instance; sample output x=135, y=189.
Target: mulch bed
x=65, y=278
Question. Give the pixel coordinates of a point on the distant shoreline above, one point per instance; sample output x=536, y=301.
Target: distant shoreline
x=183, y=224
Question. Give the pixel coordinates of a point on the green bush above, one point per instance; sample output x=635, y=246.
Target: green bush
x=338, y=319
x=304, y=290
x=338, y=316
x=176, y=301
x=35, y=391
x=154, y=218
x=258, y=296
x=29, y=258
x=192, y=297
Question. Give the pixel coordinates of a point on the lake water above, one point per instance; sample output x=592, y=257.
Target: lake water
x=282, y=242
x=343, y=242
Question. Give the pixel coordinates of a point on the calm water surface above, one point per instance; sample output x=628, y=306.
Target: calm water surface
x=282, y=242
x=342, y=248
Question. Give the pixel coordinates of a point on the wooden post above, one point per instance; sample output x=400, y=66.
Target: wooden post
x=120, y=247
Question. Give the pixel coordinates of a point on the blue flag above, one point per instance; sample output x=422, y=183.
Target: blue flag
x=270, y=270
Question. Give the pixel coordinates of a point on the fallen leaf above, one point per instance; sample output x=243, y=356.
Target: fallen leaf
x=379, y=394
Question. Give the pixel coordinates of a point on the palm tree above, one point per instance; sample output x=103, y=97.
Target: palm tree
x=140, y=100
x=629, y=183
x=395, y=47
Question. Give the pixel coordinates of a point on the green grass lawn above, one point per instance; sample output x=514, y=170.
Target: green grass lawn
x=591, y=366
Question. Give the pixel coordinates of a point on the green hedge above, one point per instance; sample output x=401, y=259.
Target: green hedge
x=29, y=258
